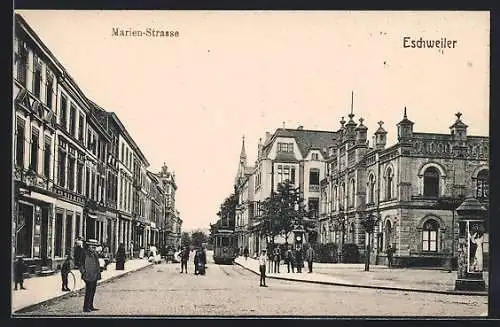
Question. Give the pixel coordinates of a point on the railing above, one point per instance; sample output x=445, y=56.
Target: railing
x=314, y=188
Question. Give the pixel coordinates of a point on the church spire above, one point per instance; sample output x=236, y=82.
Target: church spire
x=243, y=155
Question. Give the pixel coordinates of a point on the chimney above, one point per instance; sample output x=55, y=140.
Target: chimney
x=300, y=128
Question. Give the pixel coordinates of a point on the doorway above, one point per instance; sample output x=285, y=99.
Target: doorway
x=24, y=230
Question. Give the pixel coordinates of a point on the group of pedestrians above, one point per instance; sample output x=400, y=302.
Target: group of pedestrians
x=293, y=258
x=200, y=260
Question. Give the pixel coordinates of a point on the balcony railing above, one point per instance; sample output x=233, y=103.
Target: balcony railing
x=314, y=188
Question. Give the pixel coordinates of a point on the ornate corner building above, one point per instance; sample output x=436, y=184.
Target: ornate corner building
x=77, y=171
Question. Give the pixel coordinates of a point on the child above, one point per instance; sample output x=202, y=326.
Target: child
x=19, y=270
x=65, y=269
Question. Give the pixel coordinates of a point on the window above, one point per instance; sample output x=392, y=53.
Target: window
x=34, y=150
x=71, y=173
x=37, y=77
x=352, y=190
x=429, y=236
x=482, y=184
x=388, y=183
x=81, y=124
x=72, y=120
x=285, y=147
x=314, y=176
x=79, y=177
x=388, y=234
x=313, y=207
x=292, y=175
x=68, y=236
x=62, y=111
x=353, y=233
x=46, y=157
x=315, y=156
x=122, y=153
x=77, y=225
x=62, y=168
x=20, y=143
x=49, y=90
x=22, y=63
x=58, y=235
x=371, y=189
x=87, y=182
x=431, y=182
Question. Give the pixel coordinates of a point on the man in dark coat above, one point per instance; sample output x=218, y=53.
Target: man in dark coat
x=390, y=252
x=184, y=259
x=65, y=269
x=91, y=273
x=310, y=258
x=77, y=252
x=299, y=259
x=120, y=257
x=19, y=270
x=245, y=252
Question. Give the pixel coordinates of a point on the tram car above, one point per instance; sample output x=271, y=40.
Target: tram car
x=224, y=247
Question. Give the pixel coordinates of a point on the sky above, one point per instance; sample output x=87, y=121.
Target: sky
x=187, y=101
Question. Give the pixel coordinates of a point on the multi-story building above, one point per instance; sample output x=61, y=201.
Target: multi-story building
x=172, y=223
x=412, y=188
x=296, y=155
x=244, y=189
x=73, y=163
x=142, y=202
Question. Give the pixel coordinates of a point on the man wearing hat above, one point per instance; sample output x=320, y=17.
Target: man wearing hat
x=91, y=273
x=262, y=267
x=19, y=270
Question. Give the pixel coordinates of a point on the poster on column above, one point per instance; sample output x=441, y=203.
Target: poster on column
x=475, y=237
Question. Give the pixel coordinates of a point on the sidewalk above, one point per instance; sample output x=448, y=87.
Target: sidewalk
x=41, y=289
x=379, y=277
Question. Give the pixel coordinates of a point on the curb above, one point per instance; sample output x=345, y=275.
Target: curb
x=370, y=286
x=76, y=291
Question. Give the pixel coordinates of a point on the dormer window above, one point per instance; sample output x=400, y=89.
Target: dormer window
x=285, y=147
x=315, y=156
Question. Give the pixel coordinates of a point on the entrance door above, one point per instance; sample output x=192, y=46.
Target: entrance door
x=24, y=230
x=44, y=234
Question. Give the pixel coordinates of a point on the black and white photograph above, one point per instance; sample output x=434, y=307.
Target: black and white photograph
x=204, y=163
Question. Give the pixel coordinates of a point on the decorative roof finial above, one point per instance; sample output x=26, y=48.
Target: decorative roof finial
x=405, y=113
x=361, y=121
x=283, y=125
x=380, y=123
x=342, y=121
x=458, y=114
x=352, y=102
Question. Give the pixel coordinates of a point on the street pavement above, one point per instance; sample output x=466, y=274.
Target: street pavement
x=40, y=289
x=231, y=290
x=410, y=279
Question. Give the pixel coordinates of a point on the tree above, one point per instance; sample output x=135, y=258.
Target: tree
x=368, y=224
x=185, y=239
x=198, y=238
x=227, y=212
x=283, y=211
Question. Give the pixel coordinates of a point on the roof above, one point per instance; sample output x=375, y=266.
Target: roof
x=306, y=139
x=285, y=157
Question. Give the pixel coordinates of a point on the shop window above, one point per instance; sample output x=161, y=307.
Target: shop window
x=24, y=229
x=431, y=182
x=429, y=236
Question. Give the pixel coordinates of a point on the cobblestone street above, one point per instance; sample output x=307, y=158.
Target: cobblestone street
x=233, y=291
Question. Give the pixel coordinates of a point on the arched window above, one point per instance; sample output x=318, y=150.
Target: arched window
x=431, y=182
x=388, y=183
x=429, y=236
x=352, y=192
x=482, y=184
x=371, y=189
x=388, y=234
x=342, y=197
x=353, y=233
x=335, y=199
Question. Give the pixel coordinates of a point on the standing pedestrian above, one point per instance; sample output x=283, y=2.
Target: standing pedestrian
x=269, y=253
x=310, y=258
x=299, y=259
x=390, y=252
x=65, y=269
x=184, y=254
x=19, y=270
x=91, y=273
x=262, y=268
x=77, y=252
x=277, y=259
x=120, y=257
x=290, y=260
x=245, y=252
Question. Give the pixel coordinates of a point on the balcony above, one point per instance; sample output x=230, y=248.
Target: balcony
x=314, y=188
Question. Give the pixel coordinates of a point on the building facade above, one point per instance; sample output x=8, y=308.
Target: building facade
x=73, y=163
x=412, y=188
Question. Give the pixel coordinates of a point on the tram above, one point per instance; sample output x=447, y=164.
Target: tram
x=224, y=247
